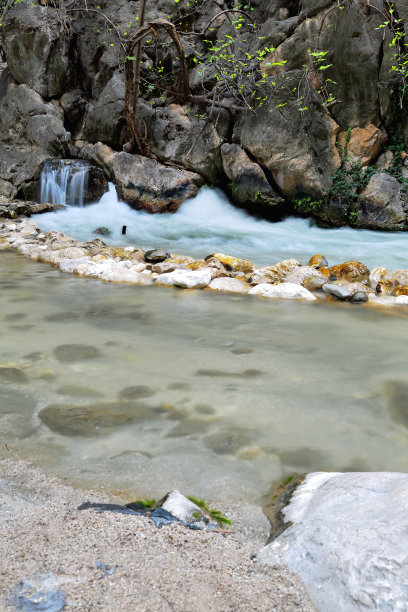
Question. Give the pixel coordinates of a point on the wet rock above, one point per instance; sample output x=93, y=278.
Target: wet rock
x=350, y=271
x=221, y=374
x=364, y=144
x=12, y=375
x=339, y=291
x=376, y=275
x=188, y=427
x=90, y=419
x=279, y=271
x=302, y=273
x=233, y=264
x=360, y=297
x=289, y=291
x=102, y=231
x=380, y=205
x=248, y=180
x=69, y=353
x=318, y=261
x=166, y=266
x=135, y=392
x=225, y=284
x=386, y=287
x=156, y=255
x=227, y=442
x=401, y=290
x=143, y=182
x=241, y=351
x=187, y=279
x=363, y=566
x=400, y=276
x=78, y=391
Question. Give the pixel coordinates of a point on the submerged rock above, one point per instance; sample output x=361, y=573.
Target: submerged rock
x=69, y=353
x=90, y=419
x=396, y=391
x=136, y=391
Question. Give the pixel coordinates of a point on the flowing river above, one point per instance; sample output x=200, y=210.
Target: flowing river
x=230, y=394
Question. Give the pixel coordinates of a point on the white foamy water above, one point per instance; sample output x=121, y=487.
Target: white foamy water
x=208, y=223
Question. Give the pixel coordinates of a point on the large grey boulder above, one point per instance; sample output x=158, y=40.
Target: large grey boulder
x=31, y=131
x=297, y=148
x=248, y=180
x=105, y=120
x=176, y=134
x=142, y=182
x=36, y=42
x=347, y=539
x=380, y=205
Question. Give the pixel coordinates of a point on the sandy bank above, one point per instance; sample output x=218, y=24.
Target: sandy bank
x=173, y=568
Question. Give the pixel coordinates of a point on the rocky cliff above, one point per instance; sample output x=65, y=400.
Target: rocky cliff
x=290, y=106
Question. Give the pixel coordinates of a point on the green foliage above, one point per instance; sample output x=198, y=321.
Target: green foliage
x=216, y=515
x=399, y=47
x=397, y=146
x=147, y=503
x=307, y=205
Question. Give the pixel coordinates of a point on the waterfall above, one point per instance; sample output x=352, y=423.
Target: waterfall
x=64, y=182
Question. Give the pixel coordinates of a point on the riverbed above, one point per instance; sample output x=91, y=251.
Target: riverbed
x=239, y=393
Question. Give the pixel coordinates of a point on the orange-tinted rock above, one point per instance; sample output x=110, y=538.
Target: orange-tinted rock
x=401, y=290
x=317, y=261
x=386, y=286
x=325, y=271
x=350, y=271
x=233, y=264
x=364, y=145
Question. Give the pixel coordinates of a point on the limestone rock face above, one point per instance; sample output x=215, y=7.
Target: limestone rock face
x=31, y=131
x=296, y=148
x=247, y=178
x=105, y=120
x=36, y=43
x=380, y=205
x=364, y=144
x=142, y=182
x=347, y=541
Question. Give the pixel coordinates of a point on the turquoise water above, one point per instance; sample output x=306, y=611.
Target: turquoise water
x=242, y=391
x=209, y=223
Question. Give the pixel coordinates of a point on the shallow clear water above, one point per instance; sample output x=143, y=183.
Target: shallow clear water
x=244, y=391
x=209, y=223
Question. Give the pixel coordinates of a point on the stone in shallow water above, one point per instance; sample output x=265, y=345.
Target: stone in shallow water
x=12, y=375
x=62, y=316
x=131, y=393
x=397, y=393
x=89, y=419
x=220, y=374
x=179, y=386
x=188, y=428
x=78, y=391
x=304, y=458
x=227, y=442
x=69, y=353
x=156, y=255
x=241, y=351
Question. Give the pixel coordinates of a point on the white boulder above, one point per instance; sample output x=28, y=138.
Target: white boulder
x=224, y=283
x=347, y=540
x=288, y=291
x=188, y=279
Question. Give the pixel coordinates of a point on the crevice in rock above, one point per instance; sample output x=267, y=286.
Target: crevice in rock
x=274, y=503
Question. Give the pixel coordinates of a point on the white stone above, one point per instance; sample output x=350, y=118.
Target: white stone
x=288, y=291
x=376, y=275
x=402, y=299
x=188, y=279
x=181, y=507
x=381, y=299
x=67, y=253
x=69, y=265
x=224, y=283
x=348, y=542
x=301, y=273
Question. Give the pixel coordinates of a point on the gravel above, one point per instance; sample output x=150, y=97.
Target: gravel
x=174, y=568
